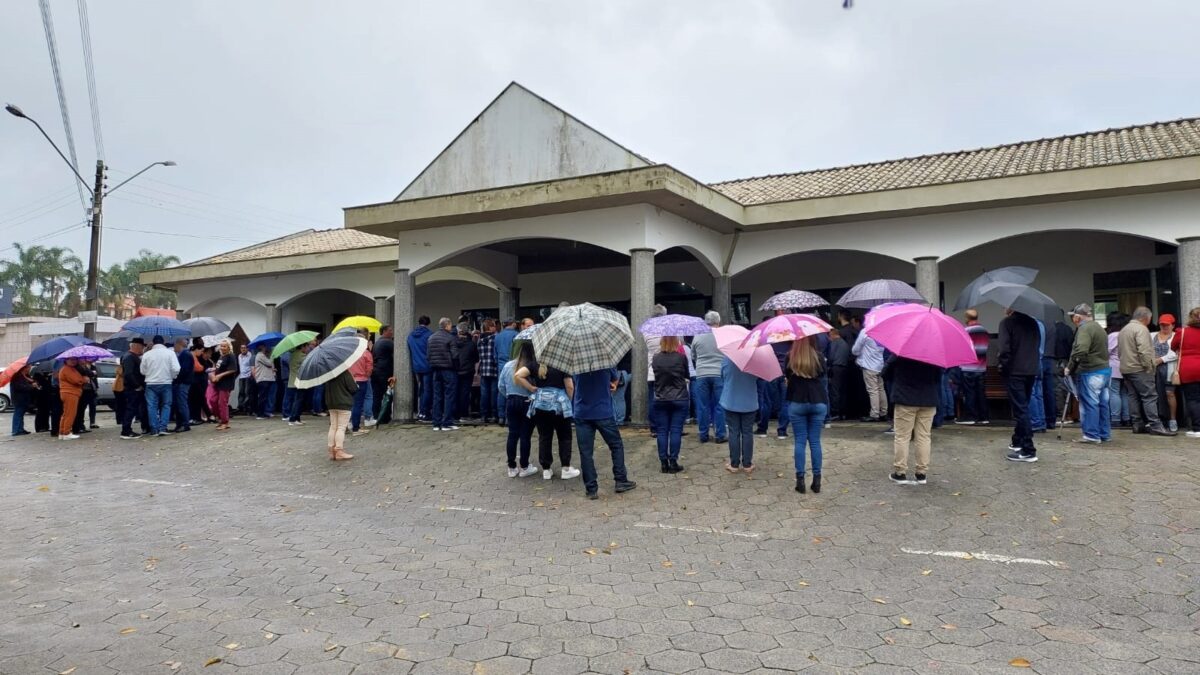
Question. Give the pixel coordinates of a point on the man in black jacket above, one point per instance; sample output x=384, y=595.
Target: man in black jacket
x=135, y=386
x=1020, y=363
x=443, y=355
x=915, y=390
x=466, y=358
x=383, y=353
x=182, y=386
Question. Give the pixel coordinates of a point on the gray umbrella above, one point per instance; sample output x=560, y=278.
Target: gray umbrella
x=206, y=325
x=1023, y=299
x=870, y=294
x=329, y=359
x=1012, y=275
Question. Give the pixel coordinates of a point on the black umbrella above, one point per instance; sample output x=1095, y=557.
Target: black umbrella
x=329, y=359
x=1012, y=275
x=119, y=341
x=1023, y=299
x=206, y=325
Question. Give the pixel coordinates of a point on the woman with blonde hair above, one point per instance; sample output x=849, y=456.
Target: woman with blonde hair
x=223, y=379
x=551, y=391
x=671, y=398
x=808, y=406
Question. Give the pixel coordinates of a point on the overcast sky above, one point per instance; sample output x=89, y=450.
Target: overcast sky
x=282, y=112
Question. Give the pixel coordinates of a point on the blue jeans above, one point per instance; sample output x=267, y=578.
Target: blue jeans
x=945, y=406
x=18, y=417
x=266, y=398
x=445, y=382
x=585, y=435
x=808, y=420
x=289, y=401
x=1094, y=404
x=741, y=438
x=1020, y=387
x=297, y=401
x=772, y=402
x=709, y=413
x=425, y=407
x=360, y=403
x=618, y=398
x=158, y=405
x=487, y=397
x=520, y=430
x=668, y=421
x=1049, y=383
x=183, y=415
x=1037, y=409
x=318, y=398
x=1118, y=401
x=975, y=405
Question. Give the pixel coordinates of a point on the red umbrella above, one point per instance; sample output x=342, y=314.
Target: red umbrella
x=11, y=371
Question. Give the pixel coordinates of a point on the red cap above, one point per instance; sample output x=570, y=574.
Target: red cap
x=1167, y=318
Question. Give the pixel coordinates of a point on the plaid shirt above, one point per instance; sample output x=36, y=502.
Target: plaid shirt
x=487, y=356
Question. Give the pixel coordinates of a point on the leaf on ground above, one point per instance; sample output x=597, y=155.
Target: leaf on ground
x=1158, y=561
x=590, y=551
x=667, y=563
x=43, y=488
x=880, y=601
x=387, y=488
x=173, y=665
x=68, y=671
x=955, y=494
x=779, y=474
x=690, y=573
x=424, y=616
x=690, y=603
x=817, y=540
x=539, y=504
x=213, y=661
x=268, y=636
x=905, y=622
x=801, y=583
x=949, y=626
x=331, y=647
x=342, y=601
x=1020, y=663
x=127, y=631
x=926, y=573
x=1054, y=519
x=890, y=641
x=983, y=515
x=232, y=645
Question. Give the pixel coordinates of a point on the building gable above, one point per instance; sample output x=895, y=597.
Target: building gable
x=520, y=138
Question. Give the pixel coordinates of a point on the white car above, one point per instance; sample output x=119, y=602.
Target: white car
x=106, y=370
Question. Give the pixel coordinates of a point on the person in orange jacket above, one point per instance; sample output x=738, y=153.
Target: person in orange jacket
x=70, y=388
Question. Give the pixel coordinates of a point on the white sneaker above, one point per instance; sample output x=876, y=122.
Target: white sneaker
x=371, y=421
x=1173, y=425
x=528, y=471
x=1193, y=434
x=569, y=472
x=452, y=427
x=547, y=474
x=68, y=437
x=512, y=472
x=360, y=432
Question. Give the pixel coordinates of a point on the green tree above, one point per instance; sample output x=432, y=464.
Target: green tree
x=50, y=281
x=148, y=296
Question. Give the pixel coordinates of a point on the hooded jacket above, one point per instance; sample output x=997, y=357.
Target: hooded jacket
x=418, y=349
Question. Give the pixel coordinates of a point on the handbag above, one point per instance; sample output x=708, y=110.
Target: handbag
x=1175, y=374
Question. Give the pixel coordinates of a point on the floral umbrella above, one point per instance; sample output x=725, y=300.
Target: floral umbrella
x=85, y=353
x=793, y=300
x=786, y=328
x=674, y=325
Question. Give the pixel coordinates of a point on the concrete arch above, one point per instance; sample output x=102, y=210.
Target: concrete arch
x=458, y=273
x=300, y=296
x=208, y=306
x=709, y=265
x=1074, y=234
x=841, y=253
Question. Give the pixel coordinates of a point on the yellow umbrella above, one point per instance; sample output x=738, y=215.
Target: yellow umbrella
x=358, y=322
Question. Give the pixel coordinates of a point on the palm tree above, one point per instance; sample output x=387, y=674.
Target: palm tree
x=145, y=261
x=24, y=275
x=60, y=271
x=116, y=284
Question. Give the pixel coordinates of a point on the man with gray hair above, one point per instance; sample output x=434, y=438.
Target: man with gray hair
x=443, y=355
x=1088, y=364
x=707, y=386
x=1138, y=371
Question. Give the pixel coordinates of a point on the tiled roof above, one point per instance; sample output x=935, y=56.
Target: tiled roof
x=1161, y=140
x=308, y=241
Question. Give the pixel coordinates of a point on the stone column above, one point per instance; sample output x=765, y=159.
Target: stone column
x=403, y=322
x=928, y=284
x=721, y=300
x=274, y=319
x=641, y=303
x=1189, y=276
x=383, y=310
x=508, y=305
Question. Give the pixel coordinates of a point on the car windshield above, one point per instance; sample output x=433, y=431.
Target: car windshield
x=106, y=369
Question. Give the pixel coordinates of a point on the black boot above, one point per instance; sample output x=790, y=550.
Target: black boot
x=800, y=483
x=676, y=467
x=816, y=483
x=666, y=467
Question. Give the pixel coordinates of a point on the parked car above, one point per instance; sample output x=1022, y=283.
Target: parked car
x=106, y=371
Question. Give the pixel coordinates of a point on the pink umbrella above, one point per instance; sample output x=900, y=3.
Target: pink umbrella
x=921, y=333
x=786, y=328
x=756, y=360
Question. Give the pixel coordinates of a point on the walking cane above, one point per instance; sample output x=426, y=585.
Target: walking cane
x=1071, y=391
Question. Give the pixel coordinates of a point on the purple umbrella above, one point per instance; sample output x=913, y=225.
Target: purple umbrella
x=870, y=294
x=677, y=325
x=793, y=300
x=85, y=353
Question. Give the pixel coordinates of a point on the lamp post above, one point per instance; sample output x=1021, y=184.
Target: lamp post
x=92, y=294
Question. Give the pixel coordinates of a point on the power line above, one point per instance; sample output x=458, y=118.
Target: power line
x=52, y=46
x=223, y=212
x=37, y=204
x=181, y=234
x=64, y=202
x=188, y=214
x=44, y=237
x=223, y=200
x=85, y=32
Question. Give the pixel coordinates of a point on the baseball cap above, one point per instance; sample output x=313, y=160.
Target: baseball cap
x=1082, y=309
x=1166, y=318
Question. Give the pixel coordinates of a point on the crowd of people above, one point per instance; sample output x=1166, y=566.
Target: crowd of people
x=1121, y=374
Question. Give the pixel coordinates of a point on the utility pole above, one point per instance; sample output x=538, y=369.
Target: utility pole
x=92, y=294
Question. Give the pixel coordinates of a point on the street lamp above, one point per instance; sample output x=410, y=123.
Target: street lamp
x=92, y=293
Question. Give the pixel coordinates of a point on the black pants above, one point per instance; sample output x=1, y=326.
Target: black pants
x=1020, y=388
x=378, y=389
x=1191, y=399
x=197, y=406
x=45, y=406
x=135, y=401
x=86, y=400
x=462, y=399
x=1143, y=401
x=548, y=426
x=520, y=430
x=837, y=388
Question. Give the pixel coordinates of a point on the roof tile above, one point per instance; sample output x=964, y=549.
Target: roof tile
x=301, y=243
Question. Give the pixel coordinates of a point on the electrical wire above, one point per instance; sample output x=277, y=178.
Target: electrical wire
x=44, y=237
x=21, y=220
x=37, y=204
x=52, y=46
x=219, y=199
x=220, y=212
x=181, y=234
x=85, y=32
x=189, y=214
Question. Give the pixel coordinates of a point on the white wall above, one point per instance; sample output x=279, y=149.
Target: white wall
x=320, y=307
x=251, y=315
x=519, y=138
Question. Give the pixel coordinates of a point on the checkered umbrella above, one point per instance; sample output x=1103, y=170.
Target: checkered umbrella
x=793, y=300
x=870, y=294
x=582, y=338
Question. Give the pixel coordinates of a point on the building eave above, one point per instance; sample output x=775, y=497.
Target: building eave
x=172, y=277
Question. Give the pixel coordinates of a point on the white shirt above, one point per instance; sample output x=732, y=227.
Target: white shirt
x=160, y=365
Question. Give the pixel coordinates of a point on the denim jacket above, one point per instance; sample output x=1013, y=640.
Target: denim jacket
x=505, y=385
x=551, y=399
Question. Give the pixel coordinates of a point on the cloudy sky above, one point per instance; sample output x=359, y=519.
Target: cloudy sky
x=282, y=112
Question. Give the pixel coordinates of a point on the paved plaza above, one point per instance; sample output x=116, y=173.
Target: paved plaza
x=251, y=552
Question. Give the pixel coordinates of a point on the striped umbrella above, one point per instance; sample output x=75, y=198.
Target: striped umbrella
x=582, y=338
x=870, y=294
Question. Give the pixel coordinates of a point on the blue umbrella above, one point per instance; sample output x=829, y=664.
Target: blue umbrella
x=52, y=348
x=269, y=339
x=148, y=326
x=119, y=341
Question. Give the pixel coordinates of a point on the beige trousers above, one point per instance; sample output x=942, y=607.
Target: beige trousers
x=912, y=425
x=338, y=419
x=876, y=392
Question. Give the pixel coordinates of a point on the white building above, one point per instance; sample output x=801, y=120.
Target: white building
x=528, y=207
